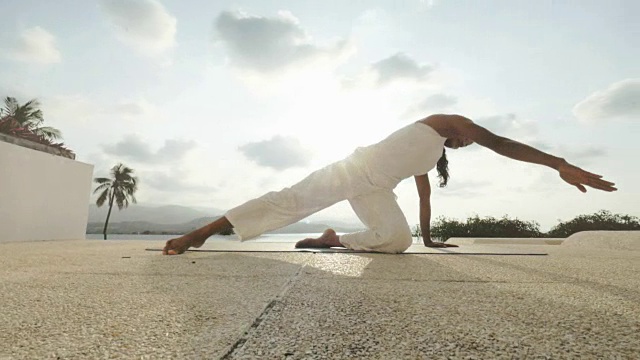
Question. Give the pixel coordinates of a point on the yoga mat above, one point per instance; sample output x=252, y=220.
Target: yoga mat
x=272, y=247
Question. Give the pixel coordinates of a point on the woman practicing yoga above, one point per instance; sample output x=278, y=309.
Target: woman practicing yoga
x=367, y=178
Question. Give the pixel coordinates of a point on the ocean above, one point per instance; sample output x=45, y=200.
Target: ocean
x=263, y=238
x=292, y=238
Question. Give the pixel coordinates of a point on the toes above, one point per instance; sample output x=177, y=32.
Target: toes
x=167, y=245
x=306, y=243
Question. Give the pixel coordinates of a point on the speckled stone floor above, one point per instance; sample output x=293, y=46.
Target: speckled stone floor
x=111, y=299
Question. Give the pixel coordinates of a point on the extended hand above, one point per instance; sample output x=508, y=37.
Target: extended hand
x=578, y=178
x=438, y=244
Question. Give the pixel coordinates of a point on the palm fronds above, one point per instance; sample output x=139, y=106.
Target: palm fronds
x=120, y=188
x=10, y=126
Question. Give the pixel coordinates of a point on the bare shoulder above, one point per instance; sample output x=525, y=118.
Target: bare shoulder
x=448, y=125
x=452, y=125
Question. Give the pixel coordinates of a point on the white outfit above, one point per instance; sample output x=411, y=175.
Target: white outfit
x=366, y=179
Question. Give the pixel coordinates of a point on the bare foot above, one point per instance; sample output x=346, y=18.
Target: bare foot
x=180, y=245
x=438, y=244
x=328, y=239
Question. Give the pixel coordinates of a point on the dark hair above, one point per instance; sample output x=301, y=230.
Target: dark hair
x=443, y=169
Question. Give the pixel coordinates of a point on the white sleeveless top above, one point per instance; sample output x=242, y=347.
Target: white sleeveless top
x=410, y=151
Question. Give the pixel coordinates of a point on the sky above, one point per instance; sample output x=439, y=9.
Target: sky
x=213, y=103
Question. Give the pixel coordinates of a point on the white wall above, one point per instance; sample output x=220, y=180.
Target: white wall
x=42, y=196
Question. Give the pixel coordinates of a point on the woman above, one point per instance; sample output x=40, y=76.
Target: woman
x=367, y=179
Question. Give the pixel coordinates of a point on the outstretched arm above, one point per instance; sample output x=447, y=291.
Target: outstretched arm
x=519, y=151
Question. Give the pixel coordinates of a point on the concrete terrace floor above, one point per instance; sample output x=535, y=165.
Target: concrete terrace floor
x=97, y=300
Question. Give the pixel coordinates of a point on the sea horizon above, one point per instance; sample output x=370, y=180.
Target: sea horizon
x=264, y=237
x=275, y=237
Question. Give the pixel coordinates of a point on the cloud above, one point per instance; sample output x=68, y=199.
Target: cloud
x=129, y=108
x=498, y=123
x=278, y=153
x=462, y=188
x=521, y=130
x=396, y=68
x=509, y=125
x=68, y=110
x=172, y=182
x=135, y=149
x=271, y=44
x=542, y=146
x=399, y=67
x=175, y=149
x=35, y=45
x=436, y=103
x=439, y=101
x=583, y=156
x=133, y=110
x=427, y=4
x=620, y=100
x=131, y=147
x=145, y=25
x=80, y=108
x=570, y=153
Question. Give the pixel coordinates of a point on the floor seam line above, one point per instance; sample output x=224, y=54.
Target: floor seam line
x=246, y=334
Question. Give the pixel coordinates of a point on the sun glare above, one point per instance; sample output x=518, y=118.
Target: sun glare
x=333, y=121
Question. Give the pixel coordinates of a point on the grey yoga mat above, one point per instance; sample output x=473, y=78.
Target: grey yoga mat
x=272, y=247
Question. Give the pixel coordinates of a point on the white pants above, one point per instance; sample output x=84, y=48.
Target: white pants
x=387, y=228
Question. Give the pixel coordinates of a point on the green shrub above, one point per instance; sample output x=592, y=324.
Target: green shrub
x=444, y=228
x=416, y=231
x=601, y=220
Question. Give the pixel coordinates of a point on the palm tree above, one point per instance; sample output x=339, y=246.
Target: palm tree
x=30, y=117
x=120, y=188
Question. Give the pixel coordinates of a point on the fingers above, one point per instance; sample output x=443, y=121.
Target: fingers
x=592, y=180
x=588, y=173
x=599, y=179
x=604, y=187
x=592, y=174
x=595, y=177
x=601, y=185
x=597, y=182
x=604, y=183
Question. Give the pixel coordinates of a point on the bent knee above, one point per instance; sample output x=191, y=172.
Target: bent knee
x=396, y=241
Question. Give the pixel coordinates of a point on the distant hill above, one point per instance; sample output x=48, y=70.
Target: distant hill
x=174, y=219
x=140, y=227
x=165, y=214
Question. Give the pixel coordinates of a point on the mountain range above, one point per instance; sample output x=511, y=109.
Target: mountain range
x=176, y=219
